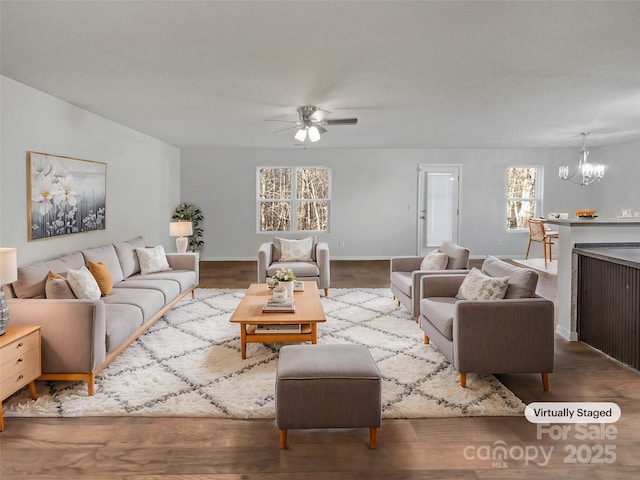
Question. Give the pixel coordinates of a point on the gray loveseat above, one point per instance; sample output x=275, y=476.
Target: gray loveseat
x=80, y=337
x=509, y=335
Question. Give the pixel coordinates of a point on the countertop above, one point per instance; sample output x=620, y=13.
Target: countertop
x=623, y=254
x=593, y=222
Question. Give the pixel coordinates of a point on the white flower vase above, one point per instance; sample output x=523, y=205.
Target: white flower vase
x=288, y=287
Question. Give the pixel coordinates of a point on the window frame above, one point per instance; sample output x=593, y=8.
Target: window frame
x=293, y=201
x=537, y=198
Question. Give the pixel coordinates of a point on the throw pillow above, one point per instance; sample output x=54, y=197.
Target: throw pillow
x=57, y=287
x=478, y=286
x=152, y=260
x=296, y=250
x=103, y=277
x=522, y=281
x=83, y=284
x=434, y=261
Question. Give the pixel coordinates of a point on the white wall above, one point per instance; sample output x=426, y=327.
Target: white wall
x=143, y=183
x=374, y=196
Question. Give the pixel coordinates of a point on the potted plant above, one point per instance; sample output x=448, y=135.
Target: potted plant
x=285, y=278
x=190, y=212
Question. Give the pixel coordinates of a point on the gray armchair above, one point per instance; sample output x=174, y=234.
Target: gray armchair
x=405, y=274
x=316, y=269
x=511, y=335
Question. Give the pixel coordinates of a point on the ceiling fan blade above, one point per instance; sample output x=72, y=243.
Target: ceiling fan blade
x=319, y=115
x=283, y=121
x=321, y=129
x=285, y=129
x=340, y=121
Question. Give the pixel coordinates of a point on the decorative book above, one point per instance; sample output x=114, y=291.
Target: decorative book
x=298, y=286
x=279, y=328
x=288, y=306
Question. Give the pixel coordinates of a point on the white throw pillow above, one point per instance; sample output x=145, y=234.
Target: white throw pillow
x=83, y=284
x=152, y=259
x=296, y=250
x=435, y=261
x=478, y=286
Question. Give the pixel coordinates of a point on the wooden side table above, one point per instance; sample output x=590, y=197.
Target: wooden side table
x=20, y=362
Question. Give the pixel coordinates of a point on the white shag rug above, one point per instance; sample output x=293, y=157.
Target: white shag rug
x=188, y=365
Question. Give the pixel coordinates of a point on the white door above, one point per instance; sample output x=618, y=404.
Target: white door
x=437, y=206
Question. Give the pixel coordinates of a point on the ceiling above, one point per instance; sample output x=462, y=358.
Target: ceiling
x=417, y=74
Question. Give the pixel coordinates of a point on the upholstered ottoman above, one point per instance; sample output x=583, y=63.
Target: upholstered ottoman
x=327, y=386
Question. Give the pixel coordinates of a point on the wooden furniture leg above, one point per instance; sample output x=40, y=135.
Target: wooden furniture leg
x=326, y=292
x=372, y=437
x=243, y=341
x=283, y=439
x=545, y=382
x=32, y=389
x=426, y=339
x=463, y=380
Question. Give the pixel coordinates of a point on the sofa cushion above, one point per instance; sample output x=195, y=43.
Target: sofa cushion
x=106, y=255
x=457, y=256
x=83, y=284
x=522, y=281
x=121, y=321
x=32, y=279
x=185, y=278
x=169, y=288
x=300, y=269
x=57, y=287
x=434, y=261
x=148, y=300
x=127, y=256
x=478, y=286
x=439, y=311
x=103, y=277
x=152, y=259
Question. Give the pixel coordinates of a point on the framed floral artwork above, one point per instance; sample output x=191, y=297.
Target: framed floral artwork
x=65, y=195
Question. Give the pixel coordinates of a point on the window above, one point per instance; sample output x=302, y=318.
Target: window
x=524, y=195
x=293, y=199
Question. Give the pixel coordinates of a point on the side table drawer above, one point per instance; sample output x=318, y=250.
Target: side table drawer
x=20, y=374
x=18, y=347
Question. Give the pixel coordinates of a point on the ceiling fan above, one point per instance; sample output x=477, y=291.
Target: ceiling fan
x=311, y=123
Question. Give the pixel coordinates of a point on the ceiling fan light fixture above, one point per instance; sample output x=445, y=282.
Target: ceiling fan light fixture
x=301, y=134
x=314, y=134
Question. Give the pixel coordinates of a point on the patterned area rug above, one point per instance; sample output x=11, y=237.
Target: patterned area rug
x=188, y=364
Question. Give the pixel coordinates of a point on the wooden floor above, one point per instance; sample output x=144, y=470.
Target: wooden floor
x=459, y=448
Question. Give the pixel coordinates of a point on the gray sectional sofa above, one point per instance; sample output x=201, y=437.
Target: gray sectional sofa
x=80, y=337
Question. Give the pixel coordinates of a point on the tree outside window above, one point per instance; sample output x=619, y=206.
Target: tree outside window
x=293, y=199
x=524, y=196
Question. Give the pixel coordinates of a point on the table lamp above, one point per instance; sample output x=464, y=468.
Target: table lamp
x=8, y=274
x=181, y=230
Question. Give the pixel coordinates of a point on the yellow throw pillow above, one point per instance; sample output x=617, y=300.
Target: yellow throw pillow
x=103, y=277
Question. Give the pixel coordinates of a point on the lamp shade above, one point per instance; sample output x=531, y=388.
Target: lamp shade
x=8, y=265
x=180, y=229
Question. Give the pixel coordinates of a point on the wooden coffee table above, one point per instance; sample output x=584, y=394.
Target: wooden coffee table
x=308, y=312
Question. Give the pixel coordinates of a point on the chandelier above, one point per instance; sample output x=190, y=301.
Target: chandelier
x=590, y=172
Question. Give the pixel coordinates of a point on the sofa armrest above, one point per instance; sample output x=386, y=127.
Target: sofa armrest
x=185, y=261
x=264, y=260
x=73, y=331
x=441, y=285
x=498, y=336
x=323, y=261
x=405, y=264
